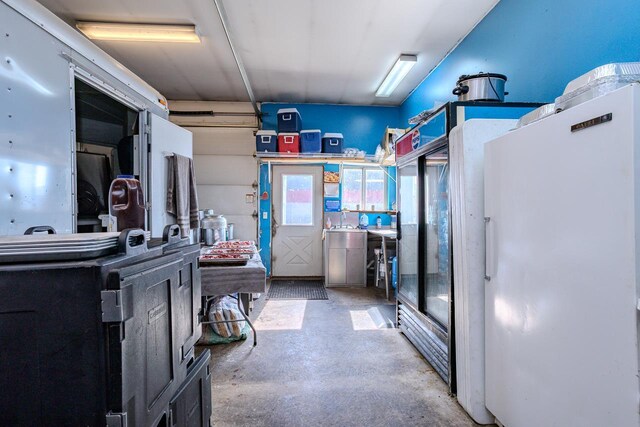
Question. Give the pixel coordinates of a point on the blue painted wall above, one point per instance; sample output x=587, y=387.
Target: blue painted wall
x=540, y=45
x=264, y=197
x=361, y=126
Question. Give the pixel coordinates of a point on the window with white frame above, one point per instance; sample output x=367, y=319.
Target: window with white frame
x=364, y=188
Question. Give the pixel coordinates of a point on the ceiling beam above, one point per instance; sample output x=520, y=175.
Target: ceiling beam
x=243, y=73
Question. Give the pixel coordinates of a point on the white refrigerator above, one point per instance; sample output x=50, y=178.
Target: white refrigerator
x=466, y=153
x=562, y=198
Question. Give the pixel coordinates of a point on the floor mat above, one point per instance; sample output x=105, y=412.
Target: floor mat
x=297, y=289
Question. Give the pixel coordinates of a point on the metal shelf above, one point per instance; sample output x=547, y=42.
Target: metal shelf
x=389, y=212
x=321, y=158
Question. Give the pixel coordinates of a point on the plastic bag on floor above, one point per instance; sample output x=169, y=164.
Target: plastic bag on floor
x=233, y=314
x=211, y=338
x=217, y=314
x=225, y=308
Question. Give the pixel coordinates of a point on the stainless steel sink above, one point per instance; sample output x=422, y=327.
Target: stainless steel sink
x=343, y=228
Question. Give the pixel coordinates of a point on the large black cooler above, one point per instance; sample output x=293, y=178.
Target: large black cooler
x=188, y=330
x=191, y=406
x=98, y=342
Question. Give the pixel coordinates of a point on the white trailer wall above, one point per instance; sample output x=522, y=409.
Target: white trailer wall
x=36, y=140
x=40, y=57
x=225, y=166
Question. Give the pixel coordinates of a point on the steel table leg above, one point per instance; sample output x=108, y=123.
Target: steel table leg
x=386, y=269
x=246, y=318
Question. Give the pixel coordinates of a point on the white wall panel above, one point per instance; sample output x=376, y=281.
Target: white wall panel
x=223, y=141
x=223, y=160
x=225, y=170
x=226, y=199
x=244, y=227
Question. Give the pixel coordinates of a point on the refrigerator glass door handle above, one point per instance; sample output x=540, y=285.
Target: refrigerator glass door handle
x=398, y=226
x=487, y=249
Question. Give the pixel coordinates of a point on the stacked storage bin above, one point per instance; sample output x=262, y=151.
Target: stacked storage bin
x=310, y=141
x=332, y=143
x=289, y=120
x=288, y=142
x=266, y=141
x=289, y=126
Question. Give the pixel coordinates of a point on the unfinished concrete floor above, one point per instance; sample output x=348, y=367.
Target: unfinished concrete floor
x=326, y=363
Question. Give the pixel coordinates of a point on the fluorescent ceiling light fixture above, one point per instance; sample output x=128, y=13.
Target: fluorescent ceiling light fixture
x=139, y=32
x=400, y=69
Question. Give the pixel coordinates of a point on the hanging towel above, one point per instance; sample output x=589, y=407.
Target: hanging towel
x=182, y=200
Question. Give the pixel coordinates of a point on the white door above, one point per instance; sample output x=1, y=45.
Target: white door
x=165, y=138
x=297, y=221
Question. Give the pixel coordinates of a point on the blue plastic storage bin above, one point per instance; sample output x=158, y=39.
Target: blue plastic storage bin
x=310, y=141
x=266, y=141
x=332, y=143
x=289, y=120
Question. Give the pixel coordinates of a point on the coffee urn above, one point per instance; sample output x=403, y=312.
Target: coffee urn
x=213, y=228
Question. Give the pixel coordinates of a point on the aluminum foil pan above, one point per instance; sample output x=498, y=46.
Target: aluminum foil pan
x=598, y=82
x=420, y=117
x=425, y=114
x=537, y=114
x=617, y=69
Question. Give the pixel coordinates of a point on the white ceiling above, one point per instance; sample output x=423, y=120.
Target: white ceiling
x=323, y=51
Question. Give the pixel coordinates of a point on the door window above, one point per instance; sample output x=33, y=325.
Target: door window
x=297, y=199
x=437, y=251
x=408, y=245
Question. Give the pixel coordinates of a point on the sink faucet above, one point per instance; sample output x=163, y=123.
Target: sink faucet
x=343, y=214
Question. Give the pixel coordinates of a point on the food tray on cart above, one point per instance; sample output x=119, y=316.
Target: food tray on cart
x=249, y=250
x=235, y=244
x=224, y=259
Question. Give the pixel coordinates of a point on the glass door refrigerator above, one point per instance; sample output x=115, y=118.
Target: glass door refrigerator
x=424, y=255
x=425, y=303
